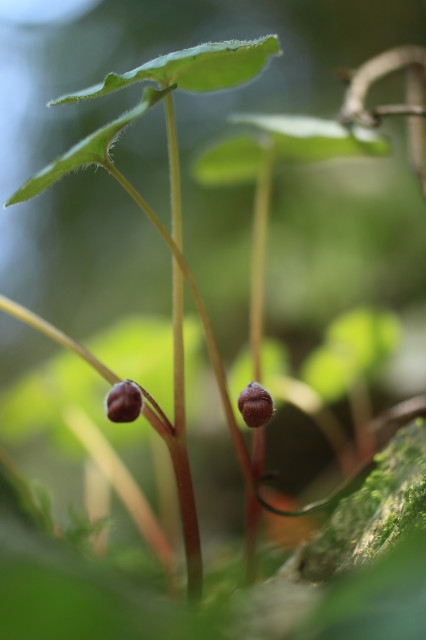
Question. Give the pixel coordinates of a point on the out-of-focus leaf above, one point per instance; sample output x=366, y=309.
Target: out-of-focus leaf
x=91, y=150
x=385, y=601
x=274, y=366
x=329, y=372
x=366, y=336
x=295, y=139
x=229, y=162
x=357, y=343
x=206, y=67
x=136, y=348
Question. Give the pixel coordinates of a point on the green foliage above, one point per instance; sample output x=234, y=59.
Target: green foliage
x=138, y=348
x=294, y=138
x=91, y=150
x=274, y=364
x=206, y=67
x=356, y=344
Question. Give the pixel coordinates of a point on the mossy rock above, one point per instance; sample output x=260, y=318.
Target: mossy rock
x=390, y=505
x=391, y=502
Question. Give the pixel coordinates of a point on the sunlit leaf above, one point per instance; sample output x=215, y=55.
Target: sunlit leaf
x=329, y=372
x=136, y=348
x=295, y=139
x=366, y=337
x=274, y=366
x=229, y=162
x=91, y=150
x=207, y=67
x=357, y=343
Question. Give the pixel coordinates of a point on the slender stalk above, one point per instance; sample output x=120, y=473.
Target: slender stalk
x=122, y=482
x=237, y=437
x=359, y=401
x=35, y=321
x=177, y=277
x=97, y=502
x=168, y=507
x=260, y=225
x=310, y=402
x=188, y=510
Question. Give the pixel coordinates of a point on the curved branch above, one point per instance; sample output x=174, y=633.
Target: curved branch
x=353, y=109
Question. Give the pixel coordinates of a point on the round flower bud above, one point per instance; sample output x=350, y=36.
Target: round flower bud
x=256, y=405
x=124, y=402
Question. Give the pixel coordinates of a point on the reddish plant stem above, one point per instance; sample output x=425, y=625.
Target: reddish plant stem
x=237, y=437
x=177, y=276
x=188, y=510
x=260, y=226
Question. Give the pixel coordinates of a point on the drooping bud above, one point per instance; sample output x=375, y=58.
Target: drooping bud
x=256, y=405
x=124, y=402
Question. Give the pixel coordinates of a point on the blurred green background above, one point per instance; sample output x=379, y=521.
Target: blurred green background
x=343, y=234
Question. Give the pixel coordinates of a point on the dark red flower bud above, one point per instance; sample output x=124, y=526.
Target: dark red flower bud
x=124, y=402
x=256, y=405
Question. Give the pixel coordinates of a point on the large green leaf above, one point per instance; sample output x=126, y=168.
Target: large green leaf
x=91, y=150
x=356, y=344
x=295, y=139
x=138, y=348
x=207, y=67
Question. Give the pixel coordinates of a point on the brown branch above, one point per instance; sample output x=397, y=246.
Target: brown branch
x=353, y=109
x=415, y=93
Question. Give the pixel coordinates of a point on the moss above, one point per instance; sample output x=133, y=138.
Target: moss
x=391, y=502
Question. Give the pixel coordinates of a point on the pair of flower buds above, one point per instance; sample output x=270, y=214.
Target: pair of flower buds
x=124, y=403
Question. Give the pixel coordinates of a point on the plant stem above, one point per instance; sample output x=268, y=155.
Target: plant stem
x=35, y=321
x=92, y=438
x=97, y=503
x=191, y=534
x=359, y=401
x=310, y=402
x=260, y=224
x=177, y=277
x=122, y=482
x=237, y=437
x=158, y=422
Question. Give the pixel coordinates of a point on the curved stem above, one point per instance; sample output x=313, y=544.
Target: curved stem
x=237, y=437
x=35, y=321
x=369, y=73
x=169, y=429
x=177, y=277
x=122, y=482
x=306, y=399
x=260, y=225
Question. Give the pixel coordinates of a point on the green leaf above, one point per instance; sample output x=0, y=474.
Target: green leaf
x=138, y=348
x=274, y=365
x=207, y=67
x=328, y=372
x=91, y=150
x=365, y=336
x=295, y=138
x=357, y=343
x=229, y=162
